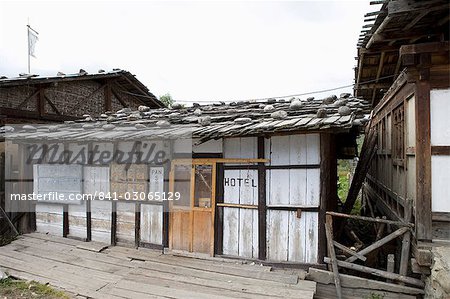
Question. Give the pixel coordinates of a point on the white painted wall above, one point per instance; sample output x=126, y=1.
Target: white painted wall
x=440, y=136
x=440, y=120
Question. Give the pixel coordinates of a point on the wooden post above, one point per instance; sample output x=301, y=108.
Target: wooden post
x=333, y=261
x=88, y=221
x=137, y=224
x=262, y=211
x=328, y=187
x=390, y=265
x=423, y=153
x=218, y=221
x=113, y=221
x=65, y=220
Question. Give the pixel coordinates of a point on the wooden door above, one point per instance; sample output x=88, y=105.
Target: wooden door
x=192, y=217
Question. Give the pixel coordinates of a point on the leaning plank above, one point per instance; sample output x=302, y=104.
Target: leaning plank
x=379, y=243
x=329, y=233
x=379, y=273
x=349, y=251
x=378, y=220
x=355, y=282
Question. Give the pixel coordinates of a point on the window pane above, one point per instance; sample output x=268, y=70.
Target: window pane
x=203, y=186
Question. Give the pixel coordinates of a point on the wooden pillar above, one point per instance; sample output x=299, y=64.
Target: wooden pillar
x=137, y=224
x=262, y=211
x=218, y=221
x=423, y=152
x=328, y=187
x=65, y=220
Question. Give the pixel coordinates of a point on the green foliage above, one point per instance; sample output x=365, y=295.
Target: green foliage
x=344, y=170
x=166, y=99
x=11, y=288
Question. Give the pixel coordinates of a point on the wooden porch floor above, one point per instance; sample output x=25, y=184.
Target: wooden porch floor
x=118, y=272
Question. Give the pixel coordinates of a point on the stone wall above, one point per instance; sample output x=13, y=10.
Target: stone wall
x=438, y=283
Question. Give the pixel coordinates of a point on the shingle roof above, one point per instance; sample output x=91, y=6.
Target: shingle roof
x=218, y=120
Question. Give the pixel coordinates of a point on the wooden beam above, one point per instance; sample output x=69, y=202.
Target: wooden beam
x=376, y=35
x=21, y=104
x=419, y=17
x=378, y=220
x=407, y=6
x=425, y=48
x=333, y=261
x=262, y=211
x=379, y=273
x=118, y=97
x=355, y=282
x=379, y=243
x=52, y=105
x=380, y=68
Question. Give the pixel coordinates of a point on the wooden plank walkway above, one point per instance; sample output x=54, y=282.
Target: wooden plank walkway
x=86, y=270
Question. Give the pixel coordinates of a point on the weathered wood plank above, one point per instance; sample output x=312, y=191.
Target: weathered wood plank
x=355, y=282
x=379, y=273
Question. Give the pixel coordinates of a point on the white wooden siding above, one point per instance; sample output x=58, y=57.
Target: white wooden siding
x=152, y=215
x=96, y=179
x=241, y=148
x=290, y=238
x=240, y=226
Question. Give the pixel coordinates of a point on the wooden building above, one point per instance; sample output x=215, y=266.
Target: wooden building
x=255, y=178
x=404, y=58
x=31, y=98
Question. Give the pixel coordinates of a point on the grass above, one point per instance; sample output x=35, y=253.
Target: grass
x=17, y=289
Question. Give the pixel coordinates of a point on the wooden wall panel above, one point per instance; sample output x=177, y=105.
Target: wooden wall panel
x=77, y=221
x=240, y=225
x=277, y=235
x=151, y=223
x=202, y=226
x=245, y=148
x=180, y=222
x=101, y=221
x=125, y=222
x=64, y=179
x=49, y=219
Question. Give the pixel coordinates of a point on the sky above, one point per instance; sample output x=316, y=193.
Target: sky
x=194, y=50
